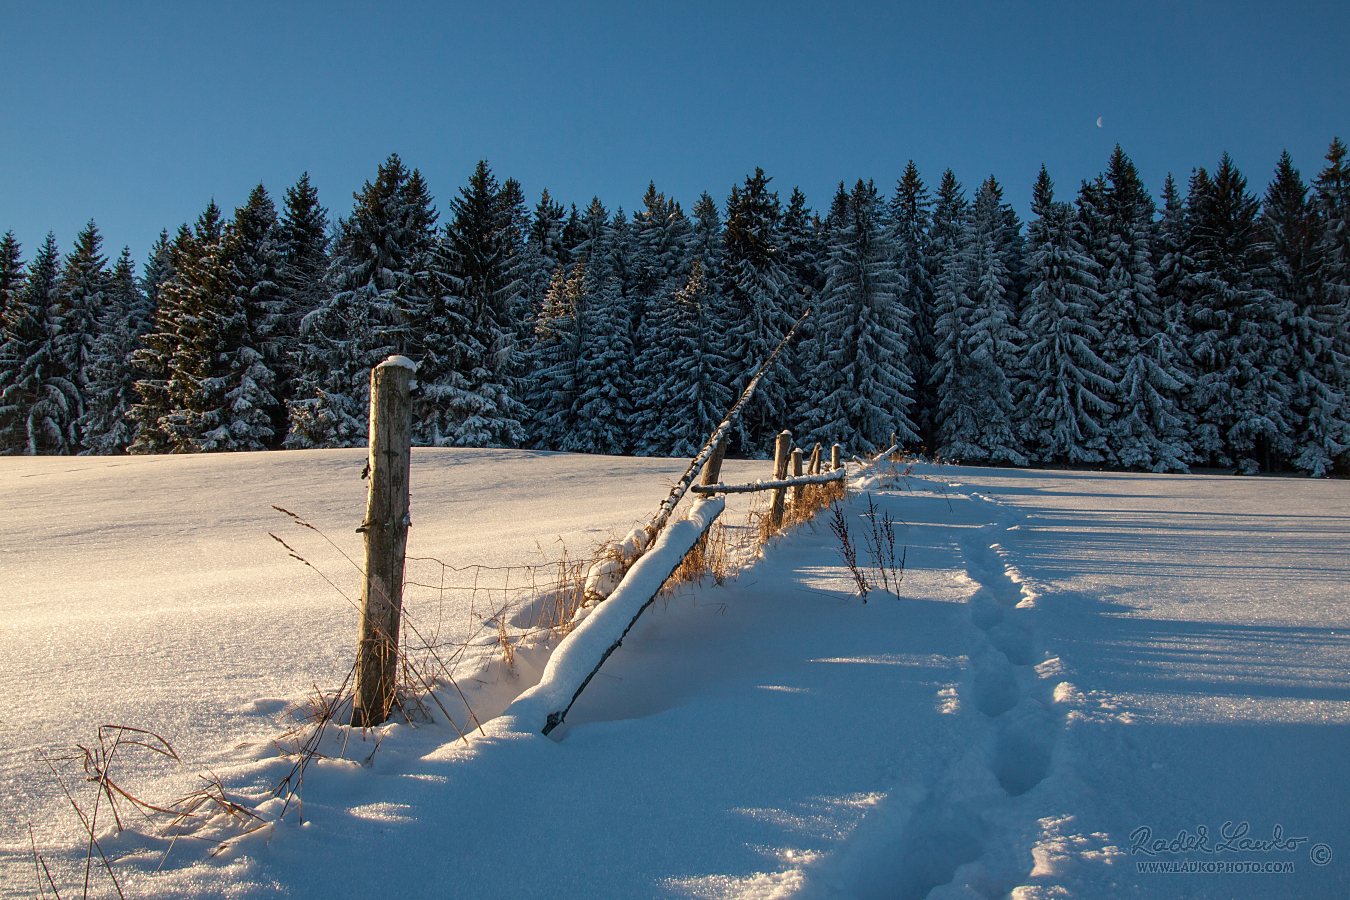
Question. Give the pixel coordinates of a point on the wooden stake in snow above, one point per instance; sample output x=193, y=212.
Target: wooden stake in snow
x=799, y=491
x=386, y=531
x=712, y=471
x=781, y=450
x=834, y=457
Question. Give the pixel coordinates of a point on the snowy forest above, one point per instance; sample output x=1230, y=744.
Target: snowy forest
x=1112, y=330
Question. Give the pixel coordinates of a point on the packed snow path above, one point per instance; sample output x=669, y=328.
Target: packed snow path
x=1072, y=657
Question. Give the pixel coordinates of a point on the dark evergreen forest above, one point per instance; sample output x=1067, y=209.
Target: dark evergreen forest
x=1204, y=328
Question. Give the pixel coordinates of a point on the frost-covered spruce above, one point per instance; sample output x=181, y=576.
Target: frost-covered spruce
x=661, y=238
x=1302, y=276
x=604, y=411
x=1145, y=430
x=30, y=404
x=861, y=389
x=909, y=216
x=469, y=375
x=1064, y=384
x=551, y=389
x=693, y=398
x=303, y=242
x=603, y=408
x=106, y=425
x=11, y=276
x=50, y=332
x=759, y=308
x=376, y=254
x=1240, y=396
x=238, y=407
x=544, y=254
x=977, y=338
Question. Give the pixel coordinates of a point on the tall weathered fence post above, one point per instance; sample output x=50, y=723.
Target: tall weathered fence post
x=386, y=531
x=781, y=450
x=799, y=491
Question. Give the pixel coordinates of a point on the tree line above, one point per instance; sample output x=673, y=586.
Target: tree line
x=1208, y=330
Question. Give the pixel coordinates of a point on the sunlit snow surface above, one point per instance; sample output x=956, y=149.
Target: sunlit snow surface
x=1071, y=657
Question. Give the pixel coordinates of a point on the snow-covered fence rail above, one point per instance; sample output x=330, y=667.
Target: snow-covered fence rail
x=639, y=578
x=581, y=654
x=753, y=486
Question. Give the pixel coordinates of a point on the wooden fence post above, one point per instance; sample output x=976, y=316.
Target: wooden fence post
x=815, y=459
x=712, y=469
x=780, y=465
x=834, y=457
x=386, y=535
x=798, y=491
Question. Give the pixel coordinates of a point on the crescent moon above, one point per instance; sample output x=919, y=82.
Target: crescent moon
x=1099, y=121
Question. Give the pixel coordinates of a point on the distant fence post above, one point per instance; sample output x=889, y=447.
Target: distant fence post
x=386, y=535
x=798, y=491
x=782, y=448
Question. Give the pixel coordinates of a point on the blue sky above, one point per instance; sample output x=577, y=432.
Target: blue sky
x=137, y=114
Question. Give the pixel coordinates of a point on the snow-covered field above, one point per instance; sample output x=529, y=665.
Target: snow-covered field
x=1072, y=658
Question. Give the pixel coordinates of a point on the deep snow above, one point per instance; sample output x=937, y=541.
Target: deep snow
x=1073, y=656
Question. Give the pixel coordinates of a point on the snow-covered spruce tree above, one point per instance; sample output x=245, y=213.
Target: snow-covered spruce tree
x=603, y=409
x=72, y=323
x=1333, y=194
x=24, y=335
x=861, y=390
x=467, y=387
x=303, y=242
x=12, y=281
x=49, y=341
x=803, y=249
x=909, y=217
x=951, y=318
x=161, y=342
x=1240, y=396
x=207, y=385
x=976, y=337
x=661, y=243
x=11, y=275
x=1302, y=275
x=1172, y=267
x=544, y=254
x=378, y=252
x=556, y=346
x=695, y=399
x=1064, y=384
x=518, y=269
x=759, y=304
x=106, y=425
x=993, y=340
x=1145, y=431
x=238, y=407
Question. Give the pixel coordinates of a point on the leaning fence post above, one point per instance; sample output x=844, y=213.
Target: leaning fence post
x=780, y=465
x=712, y=469
x=386, y=535
x=834, y=457
x=815, y=460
